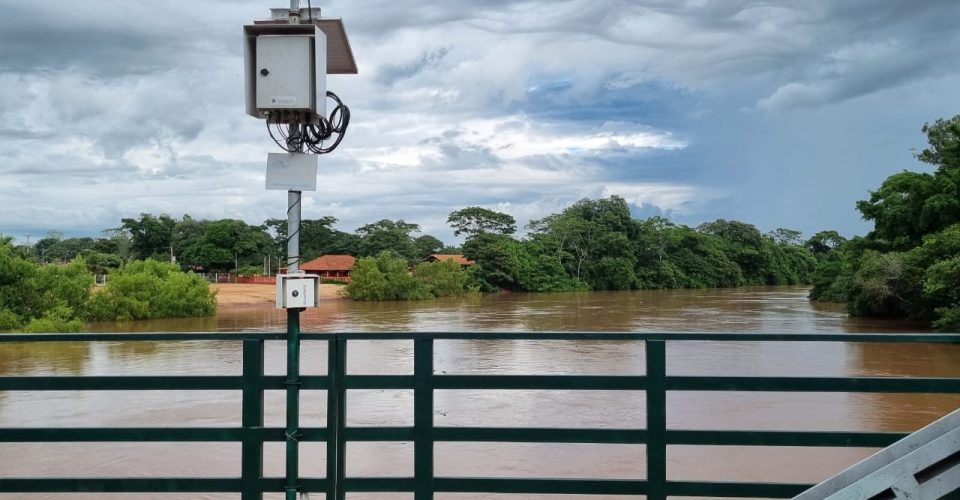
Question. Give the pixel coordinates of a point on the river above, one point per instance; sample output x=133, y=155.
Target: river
x=761, y=309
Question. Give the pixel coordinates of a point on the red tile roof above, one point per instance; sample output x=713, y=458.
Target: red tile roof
x=330, y=263
x=459, y=259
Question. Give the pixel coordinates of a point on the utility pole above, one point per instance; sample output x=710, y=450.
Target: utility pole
x=297, y=100
x=293, y=317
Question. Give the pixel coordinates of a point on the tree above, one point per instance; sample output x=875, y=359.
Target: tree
x=387, y=235
x=152, y=289
x=477, y=220
x=443, y=278
x=582, y=235
x=744, y=245
x=497, y=264
x=784, y=236
x=384, y=277
x=824, y=242
x=427, y=245
x=227, y=244
x=944, y=139
x=150, y=236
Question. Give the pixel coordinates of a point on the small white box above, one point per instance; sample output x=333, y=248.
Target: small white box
x=297, y=290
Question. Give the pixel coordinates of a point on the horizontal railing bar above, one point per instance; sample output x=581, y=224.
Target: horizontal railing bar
x=378, y=381
x=148, y=485
x=666, y=336
x=540, y=382
x=123, y=383
x=816, y=384
x=540, y=435
x=309, y=485
x=461, y=434
x=149, y=337
x=378, y=484
x=541, y=486
x=633, y=336
x=378, y=433
x=783, y=438
x=121, y=485
x=731, y=489
x=153, y=383
x=150, y=434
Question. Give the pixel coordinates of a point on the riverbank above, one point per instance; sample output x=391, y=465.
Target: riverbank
x=233, y=294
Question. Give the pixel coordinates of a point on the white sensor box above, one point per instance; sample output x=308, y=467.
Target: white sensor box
x=283, y=75
x=297, y=290
x=285, y=68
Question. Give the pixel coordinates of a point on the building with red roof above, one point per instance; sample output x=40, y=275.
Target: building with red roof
x=459, y=259
x=335, y=267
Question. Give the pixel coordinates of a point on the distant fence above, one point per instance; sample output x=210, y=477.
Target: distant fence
x=257, y=280
x=239, y=278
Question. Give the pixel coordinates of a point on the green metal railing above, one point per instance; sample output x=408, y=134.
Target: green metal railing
x=424, y=433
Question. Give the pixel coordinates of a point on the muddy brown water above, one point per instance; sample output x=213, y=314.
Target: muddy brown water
x=766, y=309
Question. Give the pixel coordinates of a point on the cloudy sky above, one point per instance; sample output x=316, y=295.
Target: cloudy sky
x=778, y=113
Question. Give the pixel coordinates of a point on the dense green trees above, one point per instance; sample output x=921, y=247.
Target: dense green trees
x=152, y=289
x=59, y=298
x=598, y=245
x=909, y=264
x=385, y=277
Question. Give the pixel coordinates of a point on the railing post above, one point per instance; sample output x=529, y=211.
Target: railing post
x=423, y=418
x=293, y=404
x=252, y=420
x=656, y=420
x=336, y=418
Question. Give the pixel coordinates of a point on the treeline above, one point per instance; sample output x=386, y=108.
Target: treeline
x=226, y=244
x=908, y=266
x=60, y=297
x=592, y=245
x=598, y=245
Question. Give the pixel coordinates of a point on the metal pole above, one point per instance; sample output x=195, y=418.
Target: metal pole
x=293, y=403
x=293, y=231
x=293, y=341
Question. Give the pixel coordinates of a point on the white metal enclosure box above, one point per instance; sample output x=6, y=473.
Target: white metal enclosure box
x=286, y=71
x=284, y=79
x=297, y=290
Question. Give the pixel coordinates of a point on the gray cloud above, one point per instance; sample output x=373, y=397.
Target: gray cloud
x=388, y=74
x=109, y=110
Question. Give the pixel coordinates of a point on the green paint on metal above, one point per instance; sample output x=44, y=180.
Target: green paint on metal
x=423, y=418
x=656, y=420
x=252, y=434
x=293, y=404
x=333, y=412
x=252, y=420
x=340, y=370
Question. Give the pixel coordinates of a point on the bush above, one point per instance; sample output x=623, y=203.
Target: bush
x=332, y=281
x=442, y=278
x=9, y=320
x=385, y=277
x=59, y=286
x=949, y=320
x=152, y=289
x=58, y=320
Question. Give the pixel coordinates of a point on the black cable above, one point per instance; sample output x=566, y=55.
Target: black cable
x=314, y=136
x=310, y=11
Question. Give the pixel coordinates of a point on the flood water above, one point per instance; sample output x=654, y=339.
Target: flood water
x=781, y=309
